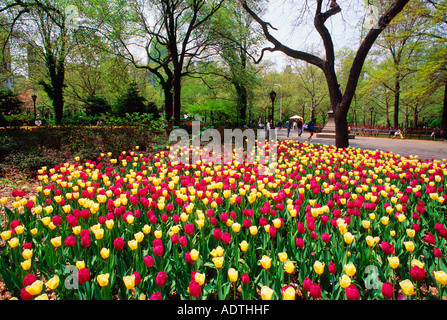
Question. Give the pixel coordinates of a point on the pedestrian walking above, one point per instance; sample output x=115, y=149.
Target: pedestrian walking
x=300, y=127
x=311, y=128
x=288, y=128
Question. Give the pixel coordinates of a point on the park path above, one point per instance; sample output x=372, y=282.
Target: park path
x=424, y=149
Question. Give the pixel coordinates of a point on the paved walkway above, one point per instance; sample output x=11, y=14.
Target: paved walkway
x=424, y=149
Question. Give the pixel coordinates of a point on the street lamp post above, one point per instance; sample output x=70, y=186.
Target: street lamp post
x=272, y=97
x=371, y=109
x=34, y=97
x=280, y=101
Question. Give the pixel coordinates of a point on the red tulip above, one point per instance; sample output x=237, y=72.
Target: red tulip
x=189, y=228
x=387, y=290
x=315, y=290
x=430, y=238
x=155, y=296
x=226, y=237
x=83, y=275
x=326, y=237
x=299, y=242
x=352, y=292
x=118, y=243
x=417, y=273
x=332, y=267
x=306, y=284
x=245, y=278
x=137, y=278
x=86, y=241
x=161, y=278
x=25, y=295
x=158, y=250
x=29, y=279
x=437, y=252
x=70, y=241
x=194, y=288
x=149, y=261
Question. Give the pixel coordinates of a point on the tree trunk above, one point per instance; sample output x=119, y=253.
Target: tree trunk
x=58, y=102
x=396, y=102
x=444, y=112
x=341, y=127
x=415, y=117
x=176, y=97
x=167, y=89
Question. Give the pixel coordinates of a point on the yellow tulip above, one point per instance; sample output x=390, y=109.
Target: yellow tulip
x=103, y=279
x=158, y=234
x=411, y=233
x=42, y=297
x=27, y=254
x=109, y=224
x=266, y=262
x=6, y=235
x=129, y=281
x=218, y=262
x=440, y=277
x=366, y=224
x=236, y=227
x=194, y=254
x=105, y=253
x=266, y=293
x=35, y=288
x=345, y=281
x=289, y=267
x=385, y=220
x=139, y=236
x=99, y=234
x=416, y=262
x=80, y=264
x=130, y=219
x=133, y=244
x=318, y=267
x=146, y=229
x=348, y=237
x=282, y=256
x=393, y=262
x=200, y=278
x=243, y=245
x=350, y=269
x=289, y=293
x=409, y=245
x=407, y=287
x=26, y=265
x=53, y=283
x=14, y=242
x=253, y=230
x=370, y=241
x=233, y=274
x=56, y=242
x=19, y=229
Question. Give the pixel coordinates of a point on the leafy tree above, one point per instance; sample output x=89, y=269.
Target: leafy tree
x=340, y=101
x=131, y=101
x=10, y=102
x=96, y=105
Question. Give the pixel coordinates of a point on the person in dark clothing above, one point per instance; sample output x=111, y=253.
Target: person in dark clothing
x=311, y=128
x=300, y=127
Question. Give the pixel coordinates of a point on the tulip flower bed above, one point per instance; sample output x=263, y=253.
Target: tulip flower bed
x=324, y=224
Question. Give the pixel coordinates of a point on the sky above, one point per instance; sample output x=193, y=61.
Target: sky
x=297, y=31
